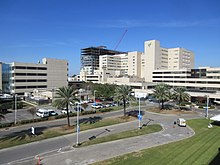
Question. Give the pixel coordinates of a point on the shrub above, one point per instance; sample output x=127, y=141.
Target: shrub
x=6, y=125
x=88, y=112
x=60, y=116
x=106, y=110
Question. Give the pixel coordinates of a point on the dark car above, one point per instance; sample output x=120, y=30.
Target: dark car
x=52, y=112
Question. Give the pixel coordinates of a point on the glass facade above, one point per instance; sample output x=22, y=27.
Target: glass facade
x=6, y=76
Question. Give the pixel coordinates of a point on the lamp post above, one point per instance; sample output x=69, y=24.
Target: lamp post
x=207, y=106
x=15, y=108
x=94, y=96
x=77, y=119
x=139, y=126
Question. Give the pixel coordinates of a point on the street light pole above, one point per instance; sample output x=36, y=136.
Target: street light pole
x=15, y=108
x=77, y=119
x=94, y=96
x=139, y=114
x=207, y=106
x=77, y=126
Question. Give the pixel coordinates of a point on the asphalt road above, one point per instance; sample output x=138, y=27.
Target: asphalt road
x=57, y=150
x=27, y=152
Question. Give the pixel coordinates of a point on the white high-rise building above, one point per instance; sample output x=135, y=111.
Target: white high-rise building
x=158, y=58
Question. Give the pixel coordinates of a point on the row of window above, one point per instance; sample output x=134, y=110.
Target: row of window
x=29, y=74
x=191, y=82
x=217, y=71
x=28, y=68
x=30, y=87
x=30, y=80
x=169, y=76
x=172, y=72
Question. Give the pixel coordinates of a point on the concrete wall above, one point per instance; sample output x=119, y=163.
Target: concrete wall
x=57, y=72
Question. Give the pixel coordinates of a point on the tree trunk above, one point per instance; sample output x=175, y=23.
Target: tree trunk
x=68, y=116
x=162, y=105
x=124, y=103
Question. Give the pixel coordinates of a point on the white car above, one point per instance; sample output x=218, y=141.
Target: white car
x=42, y=113
x=97, y=106
x=65, y=111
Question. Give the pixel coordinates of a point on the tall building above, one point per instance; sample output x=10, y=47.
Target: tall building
x=158, y=58
x=134, y=64
x=119, y=65
x=19, y=77
x=90, y=57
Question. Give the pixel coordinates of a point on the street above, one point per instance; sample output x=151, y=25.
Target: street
x=47, y=148
x=51, y=149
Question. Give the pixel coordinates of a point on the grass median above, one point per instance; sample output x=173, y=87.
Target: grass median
x=122, y=135
x=42, y=133
x=202, y=148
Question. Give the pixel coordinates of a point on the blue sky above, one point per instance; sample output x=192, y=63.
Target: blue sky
x=33, y=29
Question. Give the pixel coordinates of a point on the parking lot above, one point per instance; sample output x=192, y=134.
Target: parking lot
x=24, y=114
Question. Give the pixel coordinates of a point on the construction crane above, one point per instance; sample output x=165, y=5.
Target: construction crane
x=121, y=39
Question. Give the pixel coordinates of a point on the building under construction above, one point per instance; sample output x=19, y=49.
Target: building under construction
x=90, y=57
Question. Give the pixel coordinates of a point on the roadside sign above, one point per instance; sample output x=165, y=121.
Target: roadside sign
x=77, y=128
x=140, y=117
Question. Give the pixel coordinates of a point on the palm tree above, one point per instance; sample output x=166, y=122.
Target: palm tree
x=181, y=95
x=162, y=93
x=123, y=93
x=65, y=96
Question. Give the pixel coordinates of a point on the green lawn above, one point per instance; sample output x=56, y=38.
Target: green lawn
x=125, y=134
x=197, y=150
x=45, y=133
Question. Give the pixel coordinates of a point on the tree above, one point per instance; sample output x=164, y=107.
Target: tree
x=162, y=93
x=105, y=91
x=123, y=93
x=32, y=111
x=180, y=94
x=65, y=96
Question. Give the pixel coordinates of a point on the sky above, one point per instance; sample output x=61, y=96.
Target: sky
x=34, y=29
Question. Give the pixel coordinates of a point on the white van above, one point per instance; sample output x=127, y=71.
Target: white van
x=181, y=122
x=42, y=113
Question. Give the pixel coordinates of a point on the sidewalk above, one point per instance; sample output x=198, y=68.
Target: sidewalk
x=94, y=153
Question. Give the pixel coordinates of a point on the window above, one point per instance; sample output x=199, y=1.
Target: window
x=42, y=80
x=31, y=68
x=31, y=80
x=20, y=80
x=31, y=74
x=20, y=74
x=42, y=74
x=20, y=67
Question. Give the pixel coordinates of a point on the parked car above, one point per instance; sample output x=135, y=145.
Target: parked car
x=52, y=112
x=42, y=113
x=97, y=106
x=65, y=111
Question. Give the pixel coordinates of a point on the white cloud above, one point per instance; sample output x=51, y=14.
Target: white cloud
x=142, y=23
